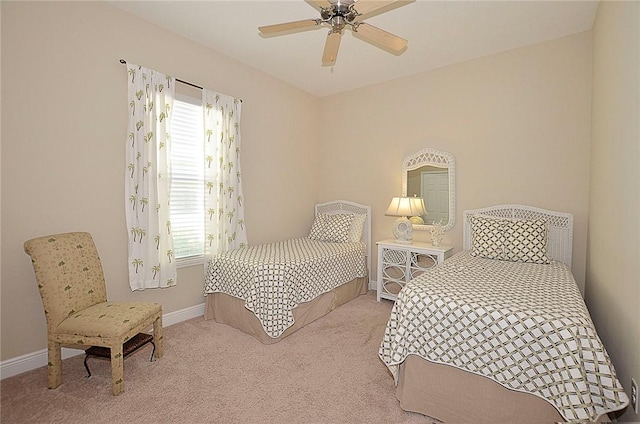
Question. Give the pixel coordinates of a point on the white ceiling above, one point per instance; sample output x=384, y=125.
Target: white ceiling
x=440, y=33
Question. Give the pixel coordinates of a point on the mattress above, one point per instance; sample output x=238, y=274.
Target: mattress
x=522, y=325
x=273, y=279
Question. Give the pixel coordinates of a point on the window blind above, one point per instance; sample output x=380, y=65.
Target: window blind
x=187, y=168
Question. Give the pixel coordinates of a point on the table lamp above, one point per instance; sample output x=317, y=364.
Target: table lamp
x=404, y=207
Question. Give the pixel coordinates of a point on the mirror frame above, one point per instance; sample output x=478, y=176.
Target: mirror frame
x=438, y=159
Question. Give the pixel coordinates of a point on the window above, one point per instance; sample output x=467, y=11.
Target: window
x=187, y=188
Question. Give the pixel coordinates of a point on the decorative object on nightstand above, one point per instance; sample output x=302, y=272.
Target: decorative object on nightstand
x=416, y=220
x=437, y=231
x=404, y=207
x=399, y=263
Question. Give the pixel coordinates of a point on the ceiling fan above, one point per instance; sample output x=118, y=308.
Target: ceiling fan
x=340, y=14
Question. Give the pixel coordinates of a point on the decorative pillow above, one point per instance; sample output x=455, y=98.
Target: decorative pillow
x=317, y=228
x=357, y=227
x=487, y=236
x=331, y=227
x=526, y=241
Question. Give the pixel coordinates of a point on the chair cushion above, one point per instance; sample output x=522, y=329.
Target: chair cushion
x=108, y=319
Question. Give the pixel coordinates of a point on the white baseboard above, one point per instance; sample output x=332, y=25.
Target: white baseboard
x=373, y=285
x=31, y=361
x=182, y=315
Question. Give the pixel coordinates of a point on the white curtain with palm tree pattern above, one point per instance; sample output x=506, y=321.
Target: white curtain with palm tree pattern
x=148, y=179
x=224, y=226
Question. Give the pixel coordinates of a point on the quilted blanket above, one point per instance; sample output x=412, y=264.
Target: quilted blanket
x=274, y=278
x=523, y=325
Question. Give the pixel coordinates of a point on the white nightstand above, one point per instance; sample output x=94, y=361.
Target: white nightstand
x=398, y=263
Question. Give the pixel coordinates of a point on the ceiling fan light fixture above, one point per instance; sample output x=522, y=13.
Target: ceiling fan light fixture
x=338, y=14
x=337, y=24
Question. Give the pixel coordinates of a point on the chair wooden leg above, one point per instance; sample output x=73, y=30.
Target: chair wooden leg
x=158, y=337
x=54, y=366
x=117, y=370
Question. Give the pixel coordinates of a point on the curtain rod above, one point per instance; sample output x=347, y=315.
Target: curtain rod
x=124, y=62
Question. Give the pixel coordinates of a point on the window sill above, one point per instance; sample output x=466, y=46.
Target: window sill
x=190, y=261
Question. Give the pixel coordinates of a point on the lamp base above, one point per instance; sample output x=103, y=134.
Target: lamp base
x=399, y=241
x=403, y=230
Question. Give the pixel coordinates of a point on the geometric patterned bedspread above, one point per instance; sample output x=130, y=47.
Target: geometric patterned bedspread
x=274, y=278
x=523, y=325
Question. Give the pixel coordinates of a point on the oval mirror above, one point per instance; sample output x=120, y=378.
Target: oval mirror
x=431, y=174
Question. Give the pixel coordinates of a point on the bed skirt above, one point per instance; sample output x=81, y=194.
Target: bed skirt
x=230, y=310
x=452, y=395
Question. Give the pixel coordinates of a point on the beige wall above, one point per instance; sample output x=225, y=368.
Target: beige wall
x=613, y=252
x=63, y=134
x=517, y=123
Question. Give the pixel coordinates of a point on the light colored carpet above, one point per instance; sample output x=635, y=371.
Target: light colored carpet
x=328, y=372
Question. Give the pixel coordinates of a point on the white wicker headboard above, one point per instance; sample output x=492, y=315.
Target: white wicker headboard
x=345, y=206
x=560, y=235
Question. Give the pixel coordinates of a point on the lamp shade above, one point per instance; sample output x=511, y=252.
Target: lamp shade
x=406, y=206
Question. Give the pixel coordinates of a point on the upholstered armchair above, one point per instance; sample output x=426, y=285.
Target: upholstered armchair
x=72, y=286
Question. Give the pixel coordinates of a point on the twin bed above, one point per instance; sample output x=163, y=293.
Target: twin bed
x=499, y=332
x=272, y=290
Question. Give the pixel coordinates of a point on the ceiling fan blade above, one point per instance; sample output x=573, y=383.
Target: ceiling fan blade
x=289, y=26
x=319, y=4
x=331, y=47
x=381, y=38
x=368, y=8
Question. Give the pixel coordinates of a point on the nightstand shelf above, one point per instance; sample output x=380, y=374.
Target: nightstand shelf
x=398, y=263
